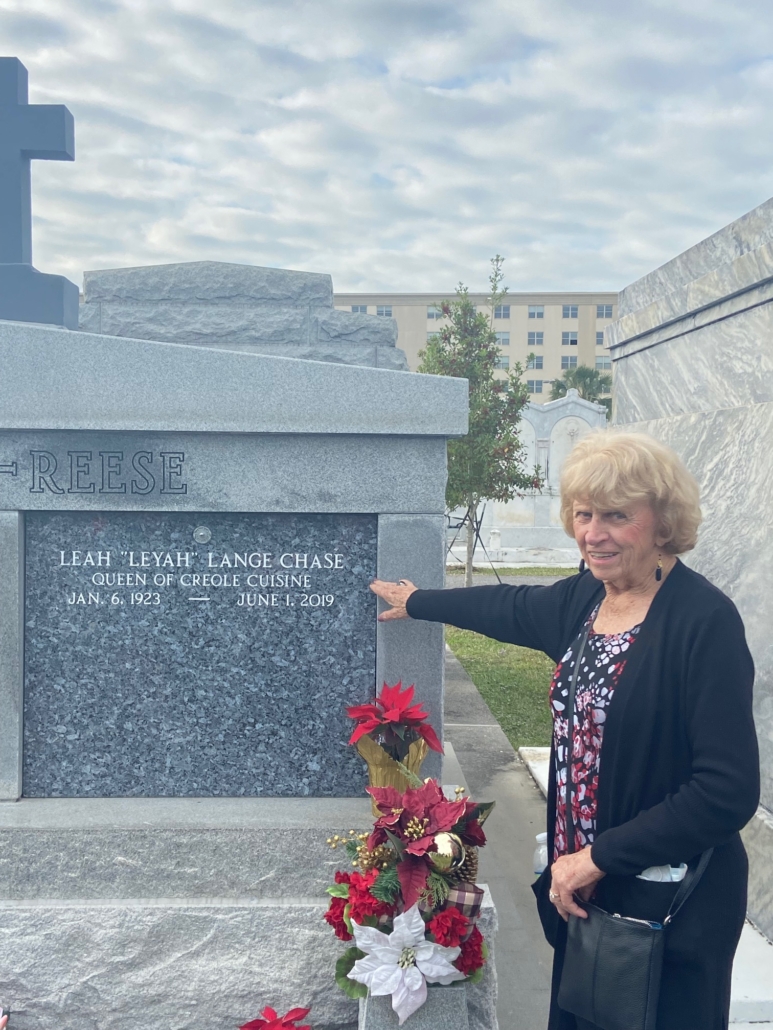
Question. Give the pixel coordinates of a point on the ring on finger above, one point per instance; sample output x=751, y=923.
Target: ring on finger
x=552, y=895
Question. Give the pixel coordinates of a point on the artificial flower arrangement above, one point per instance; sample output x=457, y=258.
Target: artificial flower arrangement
x=269, y=1020
x=393, y=736
x=411, y=903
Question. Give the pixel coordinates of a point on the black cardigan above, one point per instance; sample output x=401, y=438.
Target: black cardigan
x=679, y=765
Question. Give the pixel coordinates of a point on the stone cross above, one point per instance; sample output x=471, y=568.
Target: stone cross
x=42, y=131
x=27, y=131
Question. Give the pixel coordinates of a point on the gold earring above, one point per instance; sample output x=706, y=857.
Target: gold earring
x=659, y=569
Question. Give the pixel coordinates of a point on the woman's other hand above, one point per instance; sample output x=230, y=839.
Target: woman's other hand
x=3, y=1022
x=570, y=875
x=395, y=594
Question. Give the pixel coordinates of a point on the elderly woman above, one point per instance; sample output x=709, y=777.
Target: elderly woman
x=663, y=758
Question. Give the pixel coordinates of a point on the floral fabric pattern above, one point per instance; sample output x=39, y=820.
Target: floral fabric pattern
x=602, y=664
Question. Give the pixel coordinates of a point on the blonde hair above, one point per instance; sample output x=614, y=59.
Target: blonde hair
x=612, y=470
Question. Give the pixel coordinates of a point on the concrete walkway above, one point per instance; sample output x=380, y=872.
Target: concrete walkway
x=493, y=772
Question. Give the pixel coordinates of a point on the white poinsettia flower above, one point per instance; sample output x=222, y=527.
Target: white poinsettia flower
x=402, y=962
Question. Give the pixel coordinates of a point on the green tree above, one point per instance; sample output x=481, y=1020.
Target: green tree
x=487, y=463
x=591, y=385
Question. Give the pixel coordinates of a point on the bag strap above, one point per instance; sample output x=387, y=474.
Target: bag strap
x=688, y=884
x=694, y=873
x=570, y=740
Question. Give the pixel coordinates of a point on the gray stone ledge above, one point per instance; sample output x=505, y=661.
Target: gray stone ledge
x=67, y=380
x=183, y=813
x=658, y=323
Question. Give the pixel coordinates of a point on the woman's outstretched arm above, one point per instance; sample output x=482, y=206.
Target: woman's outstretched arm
x=531, y=616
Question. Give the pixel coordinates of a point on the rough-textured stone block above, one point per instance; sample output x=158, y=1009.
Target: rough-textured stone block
x=209, y=281
x=345, y=326
x=205, y=324
x=54, y=379
x=11, y=649
x=259, y=310
x=165, y=965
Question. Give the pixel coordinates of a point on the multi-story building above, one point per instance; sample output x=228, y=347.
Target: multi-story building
x=559, y=330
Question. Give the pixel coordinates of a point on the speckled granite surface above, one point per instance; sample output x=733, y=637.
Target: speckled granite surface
x=137, y=689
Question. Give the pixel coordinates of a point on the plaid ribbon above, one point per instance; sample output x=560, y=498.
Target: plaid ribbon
x=468, y=898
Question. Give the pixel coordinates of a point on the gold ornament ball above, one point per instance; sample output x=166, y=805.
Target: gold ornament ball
x=450, y=852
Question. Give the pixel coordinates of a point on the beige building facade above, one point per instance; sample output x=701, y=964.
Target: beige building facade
x=561, y=330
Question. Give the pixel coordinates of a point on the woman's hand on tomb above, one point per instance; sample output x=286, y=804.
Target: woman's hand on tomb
x=570, y=875
x=396, y=595
x=3, y=1022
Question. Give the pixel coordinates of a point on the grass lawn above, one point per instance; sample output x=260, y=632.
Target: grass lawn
x=521, y=570
x=514, y=682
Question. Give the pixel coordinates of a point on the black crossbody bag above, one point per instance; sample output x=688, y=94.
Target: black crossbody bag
x=613, y=964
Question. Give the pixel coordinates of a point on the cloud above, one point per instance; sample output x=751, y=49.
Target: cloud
x=398, y=145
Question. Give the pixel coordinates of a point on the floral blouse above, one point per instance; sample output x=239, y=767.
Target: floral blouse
x=603, y=661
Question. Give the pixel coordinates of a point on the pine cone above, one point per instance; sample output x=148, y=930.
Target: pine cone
x=468, y=870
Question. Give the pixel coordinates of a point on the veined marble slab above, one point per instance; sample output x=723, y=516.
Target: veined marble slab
x=725, y=364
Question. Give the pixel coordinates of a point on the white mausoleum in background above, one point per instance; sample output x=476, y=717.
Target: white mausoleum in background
x=528, y=530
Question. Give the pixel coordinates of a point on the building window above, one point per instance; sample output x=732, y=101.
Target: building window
x=599, y=339
x=503, y=361
x=502, y=311
x=535, y=361
x=569, y=311
x=604, y=363
x=568, y=362
x=385, y=310
x=432, y=336
x=569, y=339
x=536, y=339
x=603, y=311
x=536, y=311
x=503, y=339
x=359, y=309
x=433, y=311
x=534, y=385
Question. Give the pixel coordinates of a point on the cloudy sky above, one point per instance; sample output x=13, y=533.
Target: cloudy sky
x=398, y=144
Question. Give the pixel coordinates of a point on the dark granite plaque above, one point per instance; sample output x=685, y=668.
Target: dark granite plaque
x=171, y=654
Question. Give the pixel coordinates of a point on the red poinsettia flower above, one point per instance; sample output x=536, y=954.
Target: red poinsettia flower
x=417, y=815
x=471, y=957
x=271, y=1021
x=395, y=712
x=414, y=817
